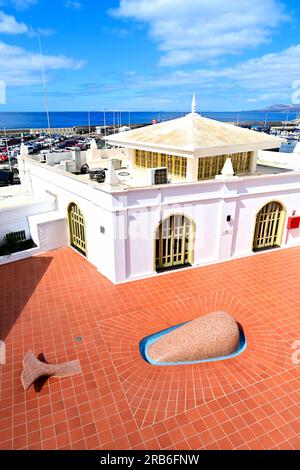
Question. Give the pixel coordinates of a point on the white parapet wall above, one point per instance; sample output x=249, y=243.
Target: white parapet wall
x=16, y=207
x=95, y=157
x=289, y=161
x=19, y=256
x=114, y=153
x=36, y=216
x=52, y=158
x=49, y=230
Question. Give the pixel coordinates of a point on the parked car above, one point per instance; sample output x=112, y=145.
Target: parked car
x=6, y=177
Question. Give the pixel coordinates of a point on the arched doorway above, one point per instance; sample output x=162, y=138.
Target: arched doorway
x=174, y=242
x=77, y=229
x=269, y=226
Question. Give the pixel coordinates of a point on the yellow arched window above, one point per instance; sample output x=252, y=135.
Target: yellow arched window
x=77, y=229
x=174, y=242
x=269, y=226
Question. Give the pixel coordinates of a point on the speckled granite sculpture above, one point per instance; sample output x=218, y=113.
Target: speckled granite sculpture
x=33, y=369
x=209, y=336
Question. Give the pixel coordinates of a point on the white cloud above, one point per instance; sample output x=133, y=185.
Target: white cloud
x=267, y=79
x=119, y=32
x=74, y=5
x=9, y=25
x=18, y=4
x=266, y=74
x=196, y=30
x=267, y=97
x=41, y=32
x=269, y=73
x=19, y=67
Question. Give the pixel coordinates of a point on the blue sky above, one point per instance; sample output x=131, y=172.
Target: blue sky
x=150, y=54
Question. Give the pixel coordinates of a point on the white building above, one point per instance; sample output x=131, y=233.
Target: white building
x=186, y=192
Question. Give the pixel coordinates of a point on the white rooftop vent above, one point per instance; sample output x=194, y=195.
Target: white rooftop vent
x=157, y=176
x=116, y=163
x=124, y=129
x=68, y=165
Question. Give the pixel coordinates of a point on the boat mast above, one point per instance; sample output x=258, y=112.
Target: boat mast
x=287, y=119
x=7, y=149
x=89, y=121
x=266, y=119
x=104, y=122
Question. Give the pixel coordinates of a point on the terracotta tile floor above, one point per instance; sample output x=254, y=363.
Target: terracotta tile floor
x=120, y=401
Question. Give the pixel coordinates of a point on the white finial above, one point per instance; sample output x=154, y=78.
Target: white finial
x=194, y=104
x=93, y=145
x=228, y=168
x=111, y=176
x=24, y=150
x=227, y=172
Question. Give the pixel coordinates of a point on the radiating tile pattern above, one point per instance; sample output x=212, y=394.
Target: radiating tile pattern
x=59, y=305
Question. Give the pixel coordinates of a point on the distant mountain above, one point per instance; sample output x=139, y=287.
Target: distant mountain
x=284, y=108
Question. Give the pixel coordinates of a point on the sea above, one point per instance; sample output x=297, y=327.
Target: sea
x=37, y=120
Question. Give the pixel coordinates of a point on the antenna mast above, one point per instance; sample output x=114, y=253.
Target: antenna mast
x=45, y=92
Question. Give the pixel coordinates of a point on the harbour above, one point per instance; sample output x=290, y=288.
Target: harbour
x=68, y=119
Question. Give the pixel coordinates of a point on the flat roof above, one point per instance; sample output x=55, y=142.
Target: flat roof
x=270, y=170
x=13, y=197
x=137, y=178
